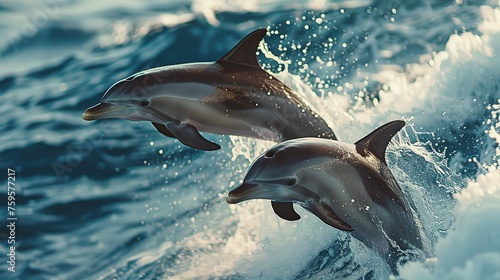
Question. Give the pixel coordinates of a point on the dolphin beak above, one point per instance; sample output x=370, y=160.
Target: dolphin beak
x=247, y=191
x=104, y=111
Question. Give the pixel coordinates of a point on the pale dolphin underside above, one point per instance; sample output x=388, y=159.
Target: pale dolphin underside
x=233, y=96
x=349, y=187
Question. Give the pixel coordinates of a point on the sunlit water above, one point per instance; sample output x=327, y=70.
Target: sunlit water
x=117, y=200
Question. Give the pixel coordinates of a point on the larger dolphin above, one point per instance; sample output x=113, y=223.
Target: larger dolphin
x=349, y=187
x=230, y=96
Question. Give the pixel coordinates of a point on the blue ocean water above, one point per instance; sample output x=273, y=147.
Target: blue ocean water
x=117, y=200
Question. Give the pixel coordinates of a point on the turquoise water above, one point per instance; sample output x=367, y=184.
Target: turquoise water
x=117, y=200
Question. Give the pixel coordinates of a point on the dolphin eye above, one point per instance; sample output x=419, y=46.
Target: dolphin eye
x=291, y=182
x=269, y=154
x=144, y=103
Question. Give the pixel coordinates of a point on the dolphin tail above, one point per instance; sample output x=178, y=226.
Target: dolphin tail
x=189, y=136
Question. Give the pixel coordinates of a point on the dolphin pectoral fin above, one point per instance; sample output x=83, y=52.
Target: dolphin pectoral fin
x=163, y=129
x=245, y=51
x=285, y=210
x=189, y=136
x=326, y=214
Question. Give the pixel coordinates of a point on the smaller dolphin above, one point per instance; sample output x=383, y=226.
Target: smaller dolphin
x=349, y=187
x=230, y=96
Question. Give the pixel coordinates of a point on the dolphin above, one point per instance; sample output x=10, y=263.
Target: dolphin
x=348, y=187
x=233, y=95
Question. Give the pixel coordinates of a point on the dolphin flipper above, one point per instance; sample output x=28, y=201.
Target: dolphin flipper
x=285, y=210
x=189, y=136
x=326, y=214
x=163, y=129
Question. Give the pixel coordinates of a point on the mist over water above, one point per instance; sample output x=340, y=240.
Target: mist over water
x=117, y=200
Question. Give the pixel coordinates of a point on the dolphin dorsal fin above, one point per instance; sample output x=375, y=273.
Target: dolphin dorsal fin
x=377, y=141
x=244, y=51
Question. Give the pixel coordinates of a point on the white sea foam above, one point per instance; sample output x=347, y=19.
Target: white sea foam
x=471, y=250
x=210, y=8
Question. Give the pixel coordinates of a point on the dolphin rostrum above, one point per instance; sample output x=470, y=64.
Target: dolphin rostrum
x=349, y=187
x=230, y=96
